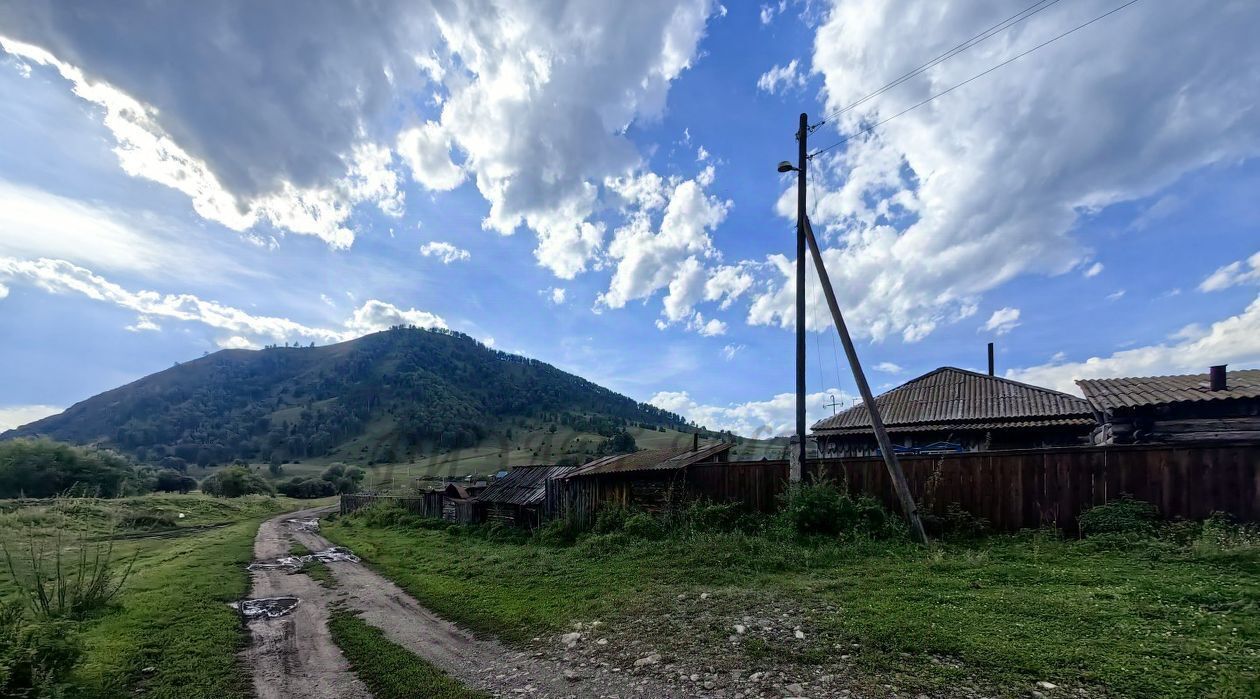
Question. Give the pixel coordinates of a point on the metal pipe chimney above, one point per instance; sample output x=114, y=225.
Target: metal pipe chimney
x=1218, y=382
x=990, y=359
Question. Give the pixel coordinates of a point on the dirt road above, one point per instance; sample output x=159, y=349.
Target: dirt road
x=294, y=656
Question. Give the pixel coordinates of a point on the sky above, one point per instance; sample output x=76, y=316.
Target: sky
x=594, y=185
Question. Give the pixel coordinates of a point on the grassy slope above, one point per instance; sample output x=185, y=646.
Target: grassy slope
x=1012, y=609
x=388, y=669
x=172, y=615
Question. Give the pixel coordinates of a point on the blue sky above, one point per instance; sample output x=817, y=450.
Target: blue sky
x=593, y=185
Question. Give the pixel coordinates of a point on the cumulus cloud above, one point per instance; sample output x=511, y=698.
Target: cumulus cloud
x=555, y=294
x=649, y=258
x=427, y=151
x=1002, y=321
x=1233, y=274
x=889, y=368
x=1094, y=270
x=782, y=78
x=769, y=11
x=445, y=252
x=1234, y=340
x=758, y=419
x=984, y=185
x=14, y=416
x=62, y=277
x=534, y=97
x=4, y=291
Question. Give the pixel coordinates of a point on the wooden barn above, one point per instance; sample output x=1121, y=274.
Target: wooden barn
x=951, y=410
x=649, y=480
x=517, y=498
x=1220, y=406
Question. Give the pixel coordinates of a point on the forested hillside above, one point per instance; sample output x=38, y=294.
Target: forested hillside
x=419, y=390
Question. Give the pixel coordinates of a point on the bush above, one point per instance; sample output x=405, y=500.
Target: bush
x=644, y=526
x=610, y=519
x=57, y=585
x=42, y=468
x=235, y=481
x=1125, y=516
x=956, y=522
x=307, y=488
x=35, y=659
x=823, y=509
x=558, y=532
x=151, y=519
x=715, y=517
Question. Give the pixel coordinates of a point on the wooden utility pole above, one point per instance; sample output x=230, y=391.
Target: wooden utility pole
x=859, y=377
x=802, y=153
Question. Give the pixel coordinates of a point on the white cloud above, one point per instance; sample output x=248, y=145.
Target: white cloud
x=445, y=252
x=1234, y=340
x=1233, y=274
x=1115, y=295
x=769, y=11
x=4, y=291
x=14, y=416
x=1003, y=321
x=889, y=368
x=1094, y=270
x=757, y=419
x=427, y=151
x=701, y=154
x=143, y=324
x=555, y=294
x=729, y=351
x=937, y=207
x=782, y=78
x=62, y=277
x=237, y=342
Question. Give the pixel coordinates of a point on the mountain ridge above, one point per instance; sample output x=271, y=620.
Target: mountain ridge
x=419, y=390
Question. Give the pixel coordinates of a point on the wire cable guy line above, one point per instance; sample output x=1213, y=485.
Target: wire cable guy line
x=973, y=41
x=977, y=76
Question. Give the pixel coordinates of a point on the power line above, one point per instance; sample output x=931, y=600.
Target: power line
x=977, y=76
x=973, y=41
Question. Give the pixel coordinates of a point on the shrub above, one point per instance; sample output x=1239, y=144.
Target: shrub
x=307, y=488
x=1125, y=516
x=43, y=468
x=823, y=509
x=56, y=586
x=35, y=659
x=558, y=532
x=151, y=519
x=235, y=481
x=644, y=526
x=714, y=517
x=610, y=519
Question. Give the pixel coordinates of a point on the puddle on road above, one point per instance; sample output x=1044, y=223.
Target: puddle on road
x=336, y=554
x=268, y=607
x=310, y=525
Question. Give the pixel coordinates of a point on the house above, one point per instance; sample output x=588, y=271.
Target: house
x=517, y=498
x=652, y=480
x=952, y=409
x=1218, y=406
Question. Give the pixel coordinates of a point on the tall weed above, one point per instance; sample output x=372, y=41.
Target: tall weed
x=57, y=583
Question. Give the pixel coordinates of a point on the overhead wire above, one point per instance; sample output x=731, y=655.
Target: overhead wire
x=977, y=76
x=973, y=41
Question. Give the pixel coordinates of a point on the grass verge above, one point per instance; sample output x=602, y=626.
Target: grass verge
x=1148, y=618
x=388, y=669
x=170, y=632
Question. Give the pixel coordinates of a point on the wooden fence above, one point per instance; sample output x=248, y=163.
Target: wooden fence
x=1027, y=488
x=424, y=504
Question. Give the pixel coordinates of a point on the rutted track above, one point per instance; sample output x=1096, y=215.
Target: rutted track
x=293, y=656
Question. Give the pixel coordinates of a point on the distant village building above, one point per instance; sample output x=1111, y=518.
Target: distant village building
x=953, y=409
x=650, y=480
x=1218, y=406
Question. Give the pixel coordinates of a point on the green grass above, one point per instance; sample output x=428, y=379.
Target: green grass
x=1151, y=619
x=388, y=669
x=170, y=632
x=318, y=571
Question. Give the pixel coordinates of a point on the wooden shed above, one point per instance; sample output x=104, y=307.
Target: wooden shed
x=649, y=480
x=1220, y=406
x=953, y=409
x=517, y=498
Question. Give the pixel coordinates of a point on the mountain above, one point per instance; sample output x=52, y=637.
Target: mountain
x=397, y=394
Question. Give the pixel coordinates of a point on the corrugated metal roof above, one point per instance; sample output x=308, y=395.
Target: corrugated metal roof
x=1108, y=394
x=972, y=426
x=948, y=396
x=523, y=485
x=651, y=460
